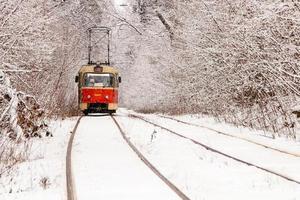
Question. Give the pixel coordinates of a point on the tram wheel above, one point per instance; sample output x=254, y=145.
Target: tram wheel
x=86, y=112
x=111, y=112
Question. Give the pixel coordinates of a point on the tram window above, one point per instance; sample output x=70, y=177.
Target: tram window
x=98, y=80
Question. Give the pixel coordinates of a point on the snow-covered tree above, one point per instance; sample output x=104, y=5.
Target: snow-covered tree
x=237, y=60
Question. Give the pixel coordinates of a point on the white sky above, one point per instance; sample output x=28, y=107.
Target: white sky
x=117, y=4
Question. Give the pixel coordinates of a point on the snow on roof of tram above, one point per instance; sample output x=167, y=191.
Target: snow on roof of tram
x=90, y=68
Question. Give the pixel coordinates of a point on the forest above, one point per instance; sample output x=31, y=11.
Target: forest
x=235, y=60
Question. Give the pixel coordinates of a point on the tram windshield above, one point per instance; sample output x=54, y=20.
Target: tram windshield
x=98, y=80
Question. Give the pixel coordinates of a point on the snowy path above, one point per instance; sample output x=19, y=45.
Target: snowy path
x=104, y=167
x=203, y=174
x=269, y=159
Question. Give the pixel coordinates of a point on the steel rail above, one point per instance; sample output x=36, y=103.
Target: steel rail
x=232, y=136
x=148, y=164
x=217, y=151
x=71, y=194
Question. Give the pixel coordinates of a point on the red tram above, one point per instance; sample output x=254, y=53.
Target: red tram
x=98, y=83
x=98, y=89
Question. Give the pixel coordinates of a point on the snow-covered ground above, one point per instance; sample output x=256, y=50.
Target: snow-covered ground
x=43, y=176
x=105, y=167
x=205, y=175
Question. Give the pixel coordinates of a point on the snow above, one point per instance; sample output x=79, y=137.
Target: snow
x=241, y=149
x=247, y=133
x=104, y=167
x=47, y=160
x=202, y=174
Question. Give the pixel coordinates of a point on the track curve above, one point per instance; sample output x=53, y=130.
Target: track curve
x=71, y=195
x=232, y=136
x=153, y=169
x=215, y=150
x=71, y=190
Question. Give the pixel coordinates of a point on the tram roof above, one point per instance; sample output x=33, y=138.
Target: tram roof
x=90, y=68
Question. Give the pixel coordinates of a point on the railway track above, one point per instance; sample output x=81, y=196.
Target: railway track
x=232, y=136
x=147, y=162
x=215, y=150
x=71, y=194
x=71, y=190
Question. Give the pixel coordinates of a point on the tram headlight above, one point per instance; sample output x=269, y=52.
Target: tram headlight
x=88, y=96
x=106, y=96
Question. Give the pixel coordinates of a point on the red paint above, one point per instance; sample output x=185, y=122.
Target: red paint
x=99, y=95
